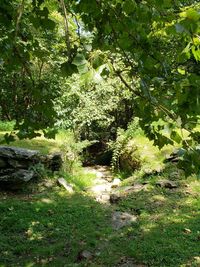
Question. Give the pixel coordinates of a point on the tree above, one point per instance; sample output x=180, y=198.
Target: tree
x=149, y=47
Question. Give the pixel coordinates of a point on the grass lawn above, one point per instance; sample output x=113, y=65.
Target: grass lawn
x=40, y=143
x=48, y=227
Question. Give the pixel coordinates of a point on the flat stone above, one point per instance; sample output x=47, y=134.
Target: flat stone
x=122, y=219
x=100, y=188
x=116, y=182
x=19, y=153
x=166, y=184
x=123, y=191
x=68, y=187
x=104, y=198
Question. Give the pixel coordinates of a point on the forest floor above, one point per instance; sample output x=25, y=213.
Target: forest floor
x=149, y=225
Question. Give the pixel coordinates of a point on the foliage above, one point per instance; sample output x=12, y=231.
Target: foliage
x=146, y=37
x=119, y=146
x=146, y=49
x=6, y=126
x=40, y=171
x=94, y=111
x=71, y=154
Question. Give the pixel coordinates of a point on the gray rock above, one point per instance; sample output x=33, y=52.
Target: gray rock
x=19, y=176
x=123, y=191
x=68, y=187
x=103, y=198
x=116, y=182
x=19, y=164
x=166, y=184
x=19, y=153
x=54, y=161
x=15, y=164
x=85, y=255
x=122, y=219
x=2, y=163
x=114, y=198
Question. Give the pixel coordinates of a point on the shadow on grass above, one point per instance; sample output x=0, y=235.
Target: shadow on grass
x=168, y=228
x=51, y=228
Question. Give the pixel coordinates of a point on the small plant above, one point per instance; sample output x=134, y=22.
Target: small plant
x=71, y=153
x=123, y=137
x=39, y=170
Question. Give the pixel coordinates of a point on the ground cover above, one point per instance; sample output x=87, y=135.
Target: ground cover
x=43, y=225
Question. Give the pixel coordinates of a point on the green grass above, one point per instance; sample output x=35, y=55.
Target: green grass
x=80, y=180
x=41, y=143
x=48, y=227
x=43, y=225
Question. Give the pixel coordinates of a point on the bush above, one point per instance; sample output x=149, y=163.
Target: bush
x=7, y=126
x=127, y=159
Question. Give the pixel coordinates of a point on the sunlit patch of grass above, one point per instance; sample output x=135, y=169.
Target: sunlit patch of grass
x=41, y=143
x=151, y=157
x=80, y=180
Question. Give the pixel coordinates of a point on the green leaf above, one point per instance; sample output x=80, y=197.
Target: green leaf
x=196, y=53
x=79, y=60
x=175, y=137
x=68, y=69
x=82, y=68
x=48, y=24
x=129, y=6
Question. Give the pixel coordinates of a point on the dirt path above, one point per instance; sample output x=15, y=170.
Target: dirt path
x=103, y=184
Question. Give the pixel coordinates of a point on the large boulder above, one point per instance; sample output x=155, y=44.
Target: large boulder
x=17, y=164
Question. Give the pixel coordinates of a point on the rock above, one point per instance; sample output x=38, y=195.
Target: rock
x=116, y=182
x=16, y=164
x=100, y=188
x=104, y=198
x=114, y=198
x=187, y=231
x=166, y=184
x=16, y=152
x=17, y=177
x=84, y=255
x=54, y=161
x=123, y=191
x=122, y=219
x=2, y=163
x=68, y=187
x=19, y=164
x=174, y=157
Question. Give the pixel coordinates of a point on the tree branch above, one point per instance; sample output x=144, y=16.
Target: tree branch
x=66, y=28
